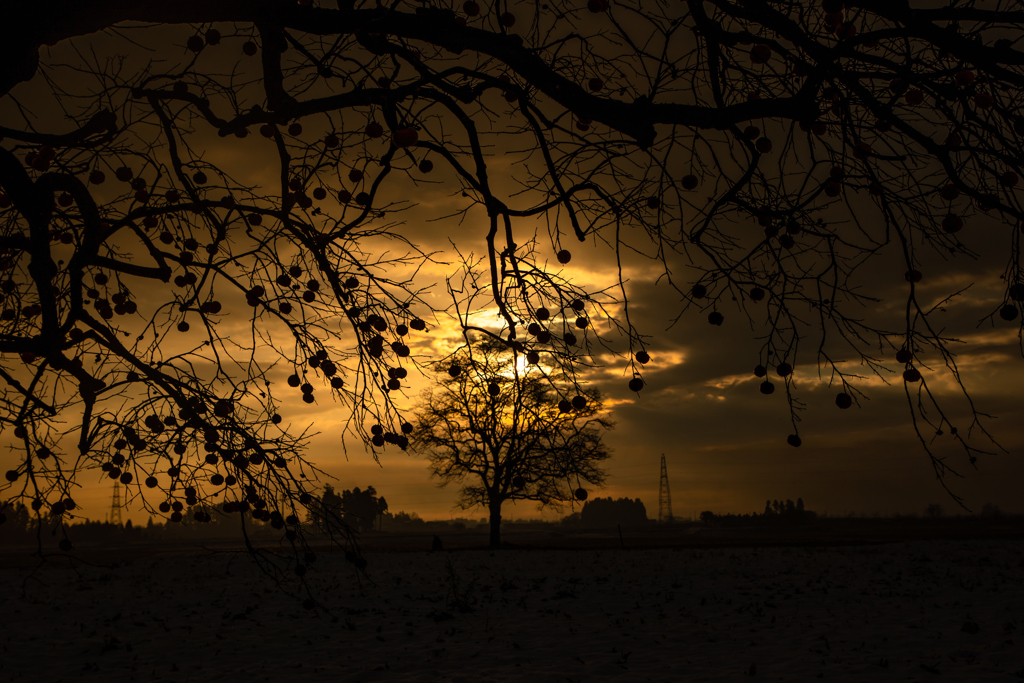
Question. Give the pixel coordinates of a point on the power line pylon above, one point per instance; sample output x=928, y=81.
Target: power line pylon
x=115, y=505
x=664, y=495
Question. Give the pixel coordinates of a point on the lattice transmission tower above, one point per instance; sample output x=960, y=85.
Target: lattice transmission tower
x=115, y=505
x=664, y=495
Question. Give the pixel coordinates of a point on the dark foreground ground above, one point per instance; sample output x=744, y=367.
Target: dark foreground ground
x=779, y=607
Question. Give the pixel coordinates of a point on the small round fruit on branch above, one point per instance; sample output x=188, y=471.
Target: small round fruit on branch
x=636, y=384
x=914, y=97
x=844, y=400
x=760, y=53
x=964, y=77
x=794, y=440
x=716, y=318
x=952, y=223
x=1008, y=312
x=580, y=494
x=405, y=137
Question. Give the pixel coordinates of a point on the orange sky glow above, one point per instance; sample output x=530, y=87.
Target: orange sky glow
x=724, y=441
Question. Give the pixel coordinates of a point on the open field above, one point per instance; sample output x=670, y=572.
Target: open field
x=907, y=610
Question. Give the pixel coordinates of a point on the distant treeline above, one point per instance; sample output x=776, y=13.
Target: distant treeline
x=362, y=509
x=775, y=512
x=22, y=525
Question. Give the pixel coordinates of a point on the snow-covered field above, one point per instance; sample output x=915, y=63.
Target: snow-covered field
x=948, y=611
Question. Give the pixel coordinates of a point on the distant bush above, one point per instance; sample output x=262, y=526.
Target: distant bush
x=991, y=510
x=604, y=512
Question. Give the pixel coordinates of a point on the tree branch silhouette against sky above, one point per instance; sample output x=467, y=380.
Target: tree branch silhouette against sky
x=782, y=239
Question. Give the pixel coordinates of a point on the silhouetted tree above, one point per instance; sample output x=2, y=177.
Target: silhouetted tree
x=326, y=510
x=14, y=524
x=608, y=512
x=382, y=507
x=360, y=508
x=495, y=428
x=140, y=242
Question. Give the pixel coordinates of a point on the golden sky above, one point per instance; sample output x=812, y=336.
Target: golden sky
x=724, y=441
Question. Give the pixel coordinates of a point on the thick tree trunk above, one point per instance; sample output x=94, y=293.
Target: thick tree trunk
x=495, y=525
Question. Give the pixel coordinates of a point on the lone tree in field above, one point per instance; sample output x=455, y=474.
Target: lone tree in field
x=201, y=204
x=500, y=431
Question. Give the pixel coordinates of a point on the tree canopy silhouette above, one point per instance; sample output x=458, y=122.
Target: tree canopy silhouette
x=201, y=203
x=498, y=430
